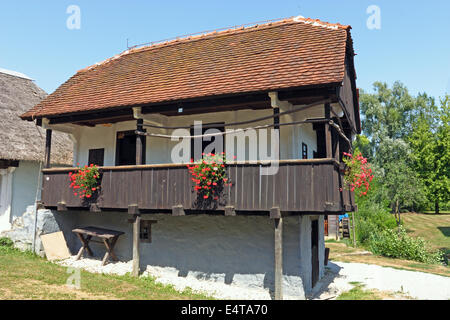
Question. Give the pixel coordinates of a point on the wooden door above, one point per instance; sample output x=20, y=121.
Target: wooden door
x=314, y=252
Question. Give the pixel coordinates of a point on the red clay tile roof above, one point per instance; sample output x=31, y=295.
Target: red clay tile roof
x=289, y=53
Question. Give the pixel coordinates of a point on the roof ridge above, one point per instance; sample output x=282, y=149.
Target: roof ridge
x=223, y=31
x=15, y=74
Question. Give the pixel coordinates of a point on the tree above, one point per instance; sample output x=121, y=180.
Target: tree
x=401, y=186
x=430, y=141
x=387, y=117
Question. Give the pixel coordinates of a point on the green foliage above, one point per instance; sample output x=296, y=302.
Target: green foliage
x=6, y=242
x=407, y=139
x=372, y=216
x=401, y=186
x=395, y=243
x=430, y=141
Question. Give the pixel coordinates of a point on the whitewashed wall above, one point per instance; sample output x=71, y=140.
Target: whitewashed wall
x=158, y=149
x=26, y=183
x=232, y=250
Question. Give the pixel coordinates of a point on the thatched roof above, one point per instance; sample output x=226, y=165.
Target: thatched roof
x=23, y=140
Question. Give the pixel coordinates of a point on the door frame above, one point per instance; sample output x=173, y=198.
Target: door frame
x=315, y=265
x=6, y=198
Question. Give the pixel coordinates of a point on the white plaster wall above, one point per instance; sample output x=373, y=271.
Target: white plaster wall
x=6, y=177
x=24, y=186
x=159, y=149
x=232, y=250
x=305, y=250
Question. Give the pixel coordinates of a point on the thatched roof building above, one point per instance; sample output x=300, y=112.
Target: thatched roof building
x=23, y=140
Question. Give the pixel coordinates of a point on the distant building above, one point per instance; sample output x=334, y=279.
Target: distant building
x=22, y=147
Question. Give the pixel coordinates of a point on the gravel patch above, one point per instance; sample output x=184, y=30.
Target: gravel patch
x=169, y=276
x=337, y=279
x=95, y=265
x=418, y=285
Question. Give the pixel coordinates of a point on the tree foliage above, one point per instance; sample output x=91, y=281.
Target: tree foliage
x=406, y=138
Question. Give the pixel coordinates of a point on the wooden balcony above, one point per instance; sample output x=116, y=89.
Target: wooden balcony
x=300, y=186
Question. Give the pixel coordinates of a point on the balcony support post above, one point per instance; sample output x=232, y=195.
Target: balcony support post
x=278, y=258
x=136, y=220
x=275, y=215
x=48, y=147
x=140, y=142
x=328, y=143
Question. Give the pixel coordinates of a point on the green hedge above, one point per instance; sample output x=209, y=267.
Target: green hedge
x=395, y=243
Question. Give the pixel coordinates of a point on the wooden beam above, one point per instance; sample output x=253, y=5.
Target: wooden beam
x=93, y=116
x=178, y=211
x=4, y=164
x=133, y=209
x=275, y=213
x=61, y=206
x=139, y=142
x=48, y=147
x=134, y=212
x=328, y=143
x=276, y=122
x=230, y=211
x=278, y=258
x=94, y=208
x=136, y=242
x=39, y=205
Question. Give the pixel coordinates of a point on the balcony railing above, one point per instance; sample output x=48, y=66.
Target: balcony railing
x=300, y=186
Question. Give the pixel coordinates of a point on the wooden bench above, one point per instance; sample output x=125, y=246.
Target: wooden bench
x=108, y=237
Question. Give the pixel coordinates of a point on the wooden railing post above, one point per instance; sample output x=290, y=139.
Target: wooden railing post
x=328, y=143
x=276, y=122
x=139, y=142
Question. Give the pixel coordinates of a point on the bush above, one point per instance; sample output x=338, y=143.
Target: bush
x=395, y=243
x=6, y=242
x=372, y=218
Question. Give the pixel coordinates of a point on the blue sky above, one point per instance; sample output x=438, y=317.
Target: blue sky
x=413, y=44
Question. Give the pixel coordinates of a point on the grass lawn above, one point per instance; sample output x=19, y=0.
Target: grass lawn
x=26, y=276
x=339, y=251
x=358, y=292
x=433, y=228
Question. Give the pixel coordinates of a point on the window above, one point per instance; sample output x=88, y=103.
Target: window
x=145, y=232
x=96, y=157
x=304, y=151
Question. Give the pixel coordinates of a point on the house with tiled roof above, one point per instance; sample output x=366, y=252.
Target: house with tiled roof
x=219, y=154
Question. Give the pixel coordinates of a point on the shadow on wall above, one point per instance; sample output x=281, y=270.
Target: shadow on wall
x=69, y=220
x=237, y=249
x=323, y=285
x=230, y=249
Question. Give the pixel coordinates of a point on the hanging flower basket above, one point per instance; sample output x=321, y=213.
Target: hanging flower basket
x=358, y=174
x=209, y=176
x=85, y=181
